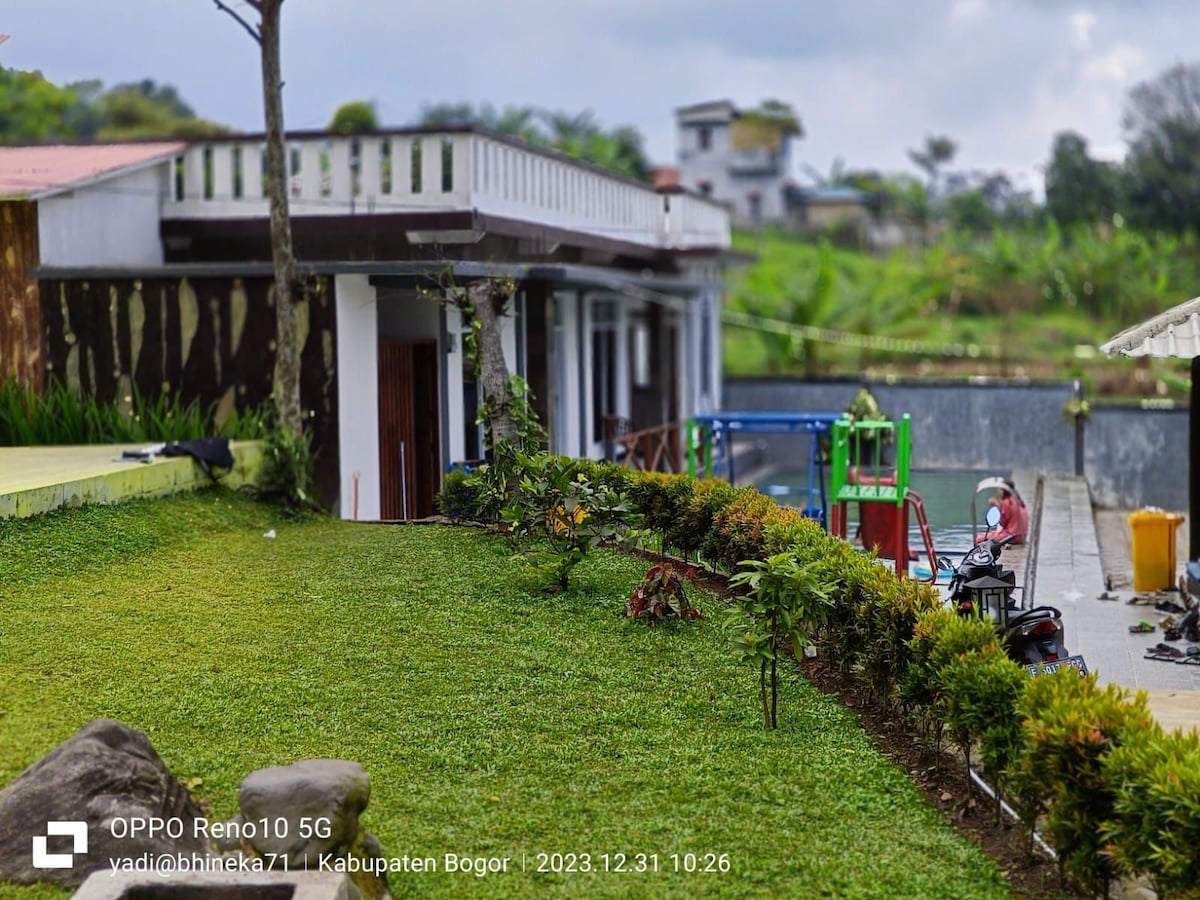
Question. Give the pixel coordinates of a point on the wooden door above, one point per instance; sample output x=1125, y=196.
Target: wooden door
x=409, y=426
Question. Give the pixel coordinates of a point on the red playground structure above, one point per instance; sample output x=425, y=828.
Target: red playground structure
x=882, y=493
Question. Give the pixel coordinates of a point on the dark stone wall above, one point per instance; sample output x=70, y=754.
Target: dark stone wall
x=1137, y=457
x=1132, y=457
x=206, y=339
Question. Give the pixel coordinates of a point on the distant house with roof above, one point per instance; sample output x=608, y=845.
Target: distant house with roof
x=148, y=266
x=723, y=153
x=826, y=208
x=742, y=158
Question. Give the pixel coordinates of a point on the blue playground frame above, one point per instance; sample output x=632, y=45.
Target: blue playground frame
x=709, y=429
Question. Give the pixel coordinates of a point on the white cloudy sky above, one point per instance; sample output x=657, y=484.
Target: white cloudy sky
x=869, y=78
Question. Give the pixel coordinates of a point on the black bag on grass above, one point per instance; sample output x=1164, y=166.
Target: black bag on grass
x=209, y=452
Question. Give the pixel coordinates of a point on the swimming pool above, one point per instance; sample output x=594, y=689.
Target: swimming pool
x=947, y=496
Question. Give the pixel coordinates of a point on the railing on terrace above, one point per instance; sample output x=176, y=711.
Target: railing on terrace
x=756, y=161
x=658, y=449
x=445, y=170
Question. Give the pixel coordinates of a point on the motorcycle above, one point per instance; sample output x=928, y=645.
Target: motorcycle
x=980, y=586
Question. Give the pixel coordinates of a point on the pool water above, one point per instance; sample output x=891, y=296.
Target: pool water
x=947, y=497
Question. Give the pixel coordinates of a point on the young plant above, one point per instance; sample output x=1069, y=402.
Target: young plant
x=661, y=596
x=558, y=514
x=460, y=497
x=980, y=693
x=287, y=470
x=785, y=602
x=507, y=457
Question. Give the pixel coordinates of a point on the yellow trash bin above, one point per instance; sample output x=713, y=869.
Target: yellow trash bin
x=1153, y=542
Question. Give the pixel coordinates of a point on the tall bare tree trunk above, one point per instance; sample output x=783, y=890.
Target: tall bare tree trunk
x=490, y=298
x=287, y=354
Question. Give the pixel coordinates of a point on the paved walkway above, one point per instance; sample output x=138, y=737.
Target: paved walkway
x=1069, y=573
x=35, y=480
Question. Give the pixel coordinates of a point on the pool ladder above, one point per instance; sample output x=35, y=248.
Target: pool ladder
x=913, y=500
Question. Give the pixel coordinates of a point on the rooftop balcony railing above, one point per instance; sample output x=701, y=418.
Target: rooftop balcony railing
x=756, y=161
x=445, y=170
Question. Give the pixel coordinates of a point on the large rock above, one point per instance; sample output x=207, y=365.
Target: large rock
x=308, y=812
x=310, y=808
x=107, y=772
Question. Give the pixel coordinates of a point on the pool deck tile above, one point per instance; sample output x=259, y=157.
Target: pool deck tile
x=1069, y=575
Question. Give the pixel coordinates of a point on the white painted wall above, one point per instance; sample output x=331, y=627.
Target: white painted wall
x=456, y=411
x=714, y=347
x=566, y=376
x=358, y=394
x=624, y=381
x=711, y=165
x=685, y=390
x=111, y=223
x=508, y=337
x=590, y=448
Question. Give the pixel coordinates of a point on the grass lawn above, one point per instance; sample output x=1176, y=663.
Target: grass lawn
x=493, y=719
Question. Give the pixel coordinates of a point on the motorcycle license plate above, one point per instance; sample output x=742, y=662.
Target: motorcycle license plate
x=1071, y=662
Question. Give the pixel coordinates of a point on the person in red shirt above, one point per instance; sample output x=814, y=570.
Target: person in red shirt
x=1014, y=517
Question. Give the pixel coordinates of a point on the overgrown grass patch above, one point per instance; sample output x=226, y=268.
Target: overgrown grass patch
x=493, y=719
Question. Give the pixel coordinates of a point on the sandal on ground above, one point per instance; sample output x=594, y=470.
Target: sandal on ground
x=1164, y=653
x=1158, y=651
x=1168, y=622
x=1191, y=658
x=1142, y=627
x=1106, y=595
x=1171, y=634
x=1169, y=606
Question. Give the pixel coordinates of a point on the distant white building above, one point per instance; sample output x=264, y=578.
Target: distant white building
x=723, y=156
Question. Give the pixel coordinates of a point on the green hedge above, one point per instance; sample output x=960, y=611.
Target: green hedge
x=1088, y=765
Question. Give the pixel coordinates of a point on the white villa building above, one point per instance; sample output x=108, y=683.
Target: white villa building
x=148, y=266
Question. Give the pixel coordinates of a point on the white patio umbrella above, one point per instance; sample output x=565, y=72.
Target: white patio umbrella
x=1174, y=334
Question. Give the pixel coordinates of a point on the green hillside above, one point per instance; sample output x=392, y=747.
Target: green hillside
x=1034, y=303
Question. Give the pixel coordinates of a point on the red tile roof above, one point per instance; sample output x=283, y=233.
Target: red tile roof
x=27, y=172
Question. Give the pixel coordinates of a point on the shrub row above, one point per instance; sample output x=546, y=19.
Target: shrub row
x=1116, y=796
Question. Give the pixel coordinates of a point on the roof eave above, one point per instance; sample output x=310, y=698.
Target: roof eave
x=99, y=177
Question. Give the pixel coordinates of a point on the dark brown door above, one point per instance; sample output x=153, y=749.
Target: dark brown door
x=408, y=429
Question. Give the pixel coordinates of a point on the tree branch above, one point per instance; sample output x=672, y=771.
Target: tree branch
x=255, y=33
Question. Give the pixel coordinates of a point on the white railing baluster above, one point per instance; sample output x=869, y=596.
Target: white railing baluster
x=431, y=165
x=193, y=172
x=370, y=150
x=402, y=167
x=494, y=175
x=339, y=171
x=310, y=171
x=222, y=171
x=252, y=171
x=463, y=178
x=476, y=145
